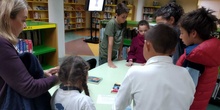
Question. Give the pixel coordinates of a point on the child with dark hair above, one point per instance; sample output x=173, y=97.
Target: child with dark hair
x=112, y=42
x=201, y=56
x=170, y=14
x=73, y=76
x=135, y=53
x=159, y=84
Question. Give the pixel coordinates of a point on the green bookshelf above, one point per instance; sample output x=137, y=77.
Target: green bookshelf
x=45, y=42
x=39, y=50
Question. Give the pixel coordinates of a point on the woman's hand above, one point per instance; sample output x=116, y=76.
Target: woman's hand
x=51, y=71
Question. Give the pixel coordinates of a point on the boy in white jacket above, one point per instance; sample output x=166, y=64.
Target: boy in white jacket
x=159, y=84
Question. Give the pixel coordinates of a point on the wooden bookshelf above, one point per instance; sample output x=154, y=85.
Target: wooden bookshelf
x=74, y=15
x=109, y=13
x=148, y=13
x=38, y=10
x=44, y=42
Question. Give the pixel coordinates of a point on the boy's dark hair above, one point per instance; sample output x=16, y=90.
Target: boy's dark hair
x=121, y=8
x=200, y=20
x=74, y=70
x=143, y=22
x=170, y=10
x=163, y=38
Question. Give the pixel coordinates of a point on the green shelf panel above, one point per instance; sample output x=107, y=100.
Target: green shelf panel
x=39, y=50
x=127, y=42
x=218, y=30
x=45, y=66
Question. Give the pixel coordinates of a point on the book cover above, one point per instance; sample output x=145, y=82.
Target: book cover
x=115, y=88
x=94, y=79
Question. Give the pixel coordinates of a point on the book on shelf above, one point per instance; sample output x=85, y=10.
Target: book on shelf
x=215, y=99
x=24, y=45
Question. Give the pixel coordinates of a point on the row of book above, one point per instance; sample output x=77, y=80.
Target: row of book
x=71, y=8
x=34, y=36
x=215, y=99
x=70, y=1
x=71, y=26
x=68, y=14
x=216, y=90
x=24, y=45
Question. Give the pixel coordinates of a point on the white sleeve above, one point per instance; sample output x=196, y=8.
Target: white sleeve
x=124, y=96
x=88, y=104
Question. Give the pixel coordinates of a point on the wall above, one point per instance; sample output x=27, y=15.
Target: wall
x=54, y=7
x=188, y=5
x=211, y=4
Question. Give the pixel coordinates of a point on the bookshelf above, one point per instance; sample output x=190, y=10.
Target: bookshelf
x=148, y=13
x=38, y=10
x=109, y=13
x=44, y=39
x=74, y=15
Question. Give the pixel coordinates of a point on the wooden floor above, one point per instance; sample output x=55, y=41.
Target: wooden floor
x=86, y=32
x=79, y=47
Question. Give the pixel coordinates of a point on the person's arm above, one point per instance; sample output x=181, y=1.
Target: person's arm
x=110, y=46
x=88, y=104
x=110, y=32
x=51, y=71
x=15, y=74
x=122, y=41
x=131, y=54
x=120, y=50
x=124, y=96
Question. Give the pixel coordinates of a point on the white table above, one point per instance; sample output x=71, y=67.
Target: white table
x=110, y=77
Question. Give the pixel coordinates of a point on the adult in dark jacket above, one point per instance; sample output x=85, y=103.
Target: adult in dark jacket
x=13, y=73
x=170, y=14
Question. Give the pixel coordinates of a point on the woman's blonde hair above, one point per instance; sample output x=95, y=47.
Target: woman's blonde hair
x=9, y=10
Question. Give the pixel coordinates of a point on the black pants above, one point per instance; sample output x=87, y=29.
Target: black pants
x=15, y=101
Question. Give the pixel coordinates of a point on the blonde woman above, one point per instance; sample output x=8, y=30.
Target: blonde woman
x=13, y=73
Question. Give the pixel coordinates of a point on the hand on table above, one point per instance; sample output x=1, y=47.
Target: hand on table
x=130, y=63
x=111, y=65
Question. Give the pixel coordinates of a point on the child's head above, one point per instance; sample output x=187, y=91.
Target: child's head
x=169, y=14
x=143, y=26
x=74, y=72
x=121, y=13
x=159, y=40
x=197, y=26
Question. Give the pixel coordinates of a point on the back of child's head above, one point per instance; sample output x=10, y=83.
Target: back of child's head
x=143, y=22
x=163, y=38
x=170, y=10
x=74, y=71
x=121, y=8
x=201, y=20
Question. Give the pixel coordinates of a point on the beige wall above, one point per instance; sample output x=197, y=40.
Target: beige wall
x=211, y=4
x=188, y=5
